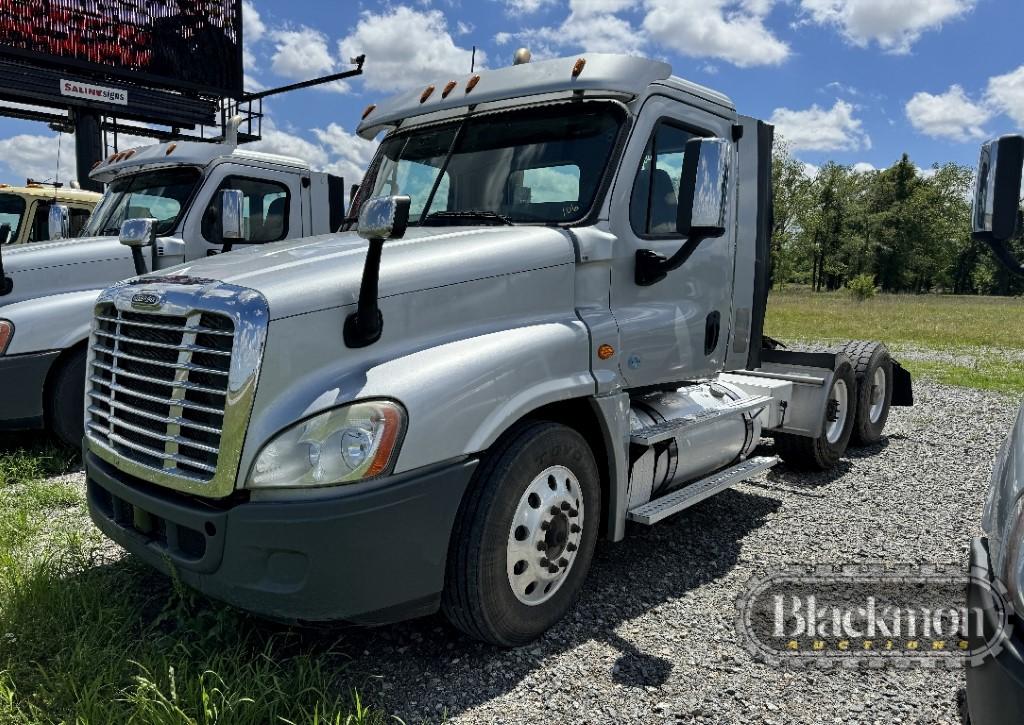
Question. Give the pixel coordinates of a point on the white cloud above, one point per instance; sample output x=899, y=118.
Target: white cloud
x=599, y=7
x=525, y=7
x=951, y=115
x=301, y=54
x=731, y=30
x=252, y=24
x=279, y=141
x=503, y=38
x=811, y=171
x=819, y=129
x=407, y=48
x=29, y=156
x=863, y=167
x=1006, y=93
x=894, y=26
x=592, y=31
x=464, y=28
x=350, y=153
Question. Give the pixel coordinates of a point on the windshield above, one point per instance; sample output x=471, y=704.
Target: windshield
x=12, y=207
x=160, y=195
x=536, y=165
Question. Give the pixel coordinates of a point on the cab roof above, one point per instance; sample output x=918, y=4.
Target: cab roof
x=601, y=72
x=183, y=153
x=44, y=191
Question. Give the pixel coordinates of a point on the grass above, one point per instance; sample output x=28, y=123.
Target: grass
x=975, y=342
x=87, y=637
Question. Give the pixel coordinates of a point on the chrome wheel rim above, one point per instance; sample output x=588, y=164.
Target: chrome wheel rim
x=837, y=407
x=877, y=395
x=545, y=535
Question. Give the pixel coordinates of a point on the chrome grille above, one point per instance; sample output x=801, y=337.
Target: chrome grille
x=158, y=388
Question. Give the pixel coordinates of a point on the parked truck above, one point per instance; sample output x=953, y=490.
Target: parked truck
x=47, y=291
x=25, y=211
x=995, y=688
x=547, y=324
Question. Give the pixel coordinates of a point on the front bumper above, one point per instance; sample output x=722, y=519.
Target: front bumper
x=371, y=556
x=995, y=688
x=22, y=379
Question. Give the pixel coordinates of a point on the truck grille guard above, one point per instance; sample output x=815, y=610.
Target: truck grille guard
x=171, y=376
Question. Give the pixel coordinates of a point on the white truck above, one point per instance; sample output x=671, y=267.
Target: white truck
x=25, y=211
x=995, y=688
x=47, y=290
x=548, y=324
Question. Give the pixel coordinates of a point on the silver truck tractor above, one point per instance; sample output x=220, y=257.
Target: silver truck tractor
x=48, y=290
x=548, y=324
x=995, y=689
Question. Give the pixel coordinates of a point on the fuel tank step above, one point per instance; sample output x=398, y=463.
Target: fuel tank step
x=654, y=511
x=671, y=428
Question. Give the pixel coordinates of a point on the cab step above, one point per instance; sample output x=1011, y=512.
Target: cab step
x=654, y=511
x=671, y=428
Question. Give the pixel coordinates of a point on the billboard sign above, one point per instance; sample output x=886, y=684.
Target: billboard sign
x=182, y=45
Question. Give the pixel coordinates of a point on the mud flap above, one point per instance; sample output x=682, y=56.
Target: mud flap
x=902, y=386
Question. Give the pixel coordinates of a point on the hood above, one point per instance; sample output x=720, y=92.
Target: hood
x=318, y=273
x=68, y=265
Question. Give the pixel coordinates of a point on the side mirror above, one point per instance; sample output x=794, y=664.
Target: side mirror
x=704, y=188
x=59, y=222
x=138, y=234
x=381, y=218
x=5, y=233
x=232, y=204
x=995, y=218
x=384, y=217
x=703, y=206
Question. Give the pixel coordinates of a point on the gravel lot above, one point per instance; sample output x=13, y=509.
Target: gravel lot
x=653, y=638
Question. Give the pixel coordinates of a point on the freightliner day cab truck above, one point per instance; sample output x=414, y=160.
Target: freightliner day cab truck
x=995, y=688
x=47, y=291
x=548, y=324
x=25, y=210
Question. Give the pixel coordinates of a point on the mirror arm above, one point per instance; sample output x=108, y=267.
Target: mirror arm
x=140, y=261
x=652, y=267
x=364, y=326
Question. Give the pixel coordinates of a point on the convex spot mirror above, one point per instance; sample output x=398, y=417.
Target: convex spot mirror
x=704, y=187
x=996, y=216
x=59, y=222
x=384, y=217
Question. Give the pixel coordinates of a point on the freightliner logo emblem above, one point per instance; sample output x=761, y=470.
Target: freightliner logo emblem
x=145, y=299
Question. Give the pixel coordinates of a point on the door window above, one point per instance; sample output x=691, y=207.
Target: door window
x=12, y=207
x=40, y=228
x=654, y=205
x=265, y=206
x=78, y=219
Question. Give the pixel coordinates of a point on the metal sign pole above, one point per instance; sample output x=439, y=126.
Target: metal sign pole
x=88, y=147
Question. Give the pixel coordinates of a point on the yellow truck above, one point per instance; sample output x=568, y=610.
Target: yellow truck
x=26, y=210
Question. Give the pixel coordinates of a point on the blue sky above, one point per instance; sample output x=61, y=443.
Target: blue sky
x=855, y=81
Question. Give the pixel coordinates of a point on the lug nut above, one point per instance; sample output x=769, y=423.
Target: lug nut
x=552, y=569
x=563, y=562
x=554, y=511
x=566, y=506
x=541, y=546
x=573, y=514
x=544, y=561
x=545, y=525
x=575, y=529
x=570, y=546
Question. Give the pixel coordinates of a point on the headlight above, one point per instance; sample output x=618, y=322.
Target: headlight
x=6, y=333
x=344, y=445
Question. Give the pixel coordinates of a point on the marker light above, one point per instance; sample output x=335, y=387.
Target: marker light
x=448, y=88
x=170, y=148
x=605, y=352
x=471, y=84
x=578, y=67
x=6, y=333
x=368, y=110
x=426, y=93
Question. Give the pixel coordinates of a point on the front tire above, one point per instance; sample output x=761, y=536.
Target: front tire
x=525, y=535
x=65, y=399
x=824, y=451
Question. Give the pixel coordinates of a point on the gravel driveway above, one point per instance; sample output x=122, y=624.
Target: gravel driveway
x=653, y=637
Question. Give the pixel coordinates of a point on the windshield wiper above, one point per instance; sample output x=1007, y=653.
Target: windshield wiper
x=440, y=218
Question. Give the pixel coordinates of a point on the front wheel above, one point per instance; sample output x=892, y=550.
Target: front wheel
x=65, y=412
x=525, y=535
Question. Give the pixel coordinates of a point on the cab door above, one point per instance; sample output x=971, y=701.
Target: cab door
x=271, y=208
x=676, y=329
